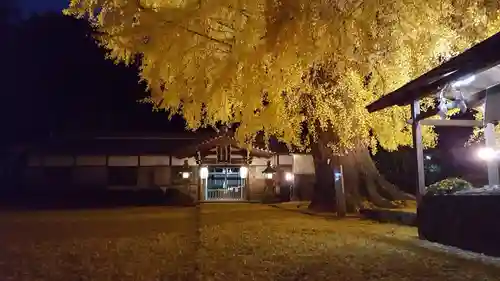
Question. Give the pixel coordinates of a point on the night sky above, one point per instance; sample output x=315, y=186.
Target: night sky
x=36, y=6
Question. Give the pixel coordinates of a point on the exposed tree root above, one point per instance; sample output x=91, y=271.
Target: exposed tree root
x=394, y=192
x=362, y=182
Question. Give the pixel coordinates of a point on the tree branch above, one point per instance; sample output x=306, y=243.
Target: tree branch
x=220, y=22
x=203, y=35
x=144, y=9
x=139, y=5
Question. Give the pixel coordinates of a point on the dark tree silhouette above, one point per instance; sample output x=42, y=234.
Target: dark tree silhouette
x=60, y=83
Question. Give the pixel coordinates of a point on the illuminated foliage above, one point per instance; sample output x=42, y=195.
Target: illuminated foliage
x=271, y=65
x=478, y=132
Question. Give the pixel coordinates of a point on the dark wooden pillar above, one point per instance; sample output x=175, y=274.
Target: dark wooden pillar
x=106, y=184
x=248, y=162
x=491, y=116
x=418, y=149
x=200, y=190
x=492, y=165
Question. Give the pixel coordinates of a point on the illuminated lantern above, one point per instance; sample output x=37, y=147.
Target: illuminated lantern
x=185, y=170
x=269, y=171
x=243, y=172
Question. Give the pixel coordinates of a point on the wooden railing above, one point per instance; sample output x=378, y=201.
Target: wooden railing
x=225, y=194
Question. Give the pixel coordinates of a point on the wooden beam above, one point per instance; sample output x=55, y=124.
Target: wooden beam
x=492, y=101
x=489, y=135
x=427, y=114
x=418, y=149
x=451, y=123
x=210, y=161
x=238, y=161
x=107, y=170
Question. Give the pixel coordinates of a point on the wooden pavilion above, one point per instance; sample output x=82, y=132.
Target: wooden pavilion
x=469, y=80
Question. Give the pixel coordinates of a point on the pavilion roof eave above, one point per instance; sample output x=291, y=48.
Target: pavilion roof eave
x=221, y=139
x=476, y=100
x=477, y=59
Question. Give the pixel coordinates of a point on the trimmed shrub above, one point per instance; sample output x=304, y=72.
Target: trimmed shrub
x=448, y=186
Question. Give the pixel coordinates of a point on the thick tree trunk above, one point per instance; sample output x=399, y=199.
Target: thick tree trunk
x=394, y=192
x=324, y=190
x=362, y=182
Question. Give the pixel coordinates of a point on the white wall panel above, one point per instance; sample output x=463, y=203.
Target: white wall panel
x=58, y=161
x=123, y=161
x=90, y=160
x=180, y=162
x=258, y=161
x=286, y=159
x=303, y=164
x=256, y=172
x=155, y=160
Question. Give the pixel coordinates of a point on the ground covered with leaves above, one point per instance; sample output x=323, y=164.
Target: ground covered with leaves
x=217, y=242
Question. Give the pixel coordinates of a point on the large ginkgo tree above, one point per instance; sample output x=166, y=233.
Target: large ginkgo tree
x=298, y=70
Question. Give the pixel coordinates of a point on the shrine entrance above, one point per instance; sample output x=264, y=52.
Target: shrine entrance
x=224, y=183
x=224, y=167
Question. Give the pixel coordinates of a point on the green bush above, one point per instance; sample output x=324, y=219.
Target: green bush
x=448, y=186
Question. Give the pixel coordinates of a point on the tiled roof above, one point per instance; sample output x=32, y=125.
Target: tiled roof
x=177, y=144
x=115, y=146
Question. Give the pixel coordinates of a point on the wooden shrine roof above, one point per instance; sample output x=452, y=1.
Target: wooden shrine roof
x=481, y=58
x=223, y=139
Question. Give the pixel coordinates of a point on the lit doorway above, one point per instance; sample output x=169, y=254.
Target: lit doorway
x=224, y=183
